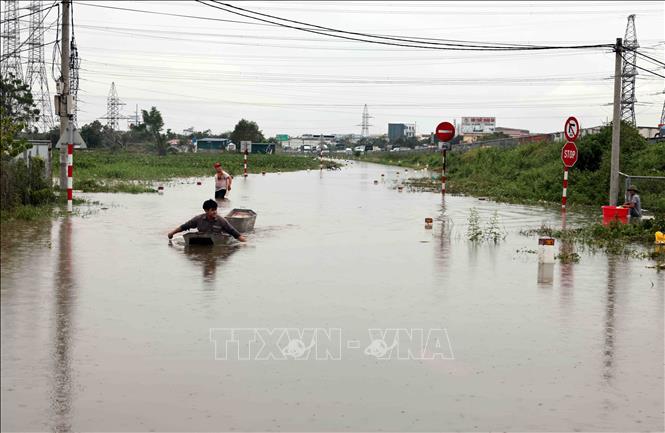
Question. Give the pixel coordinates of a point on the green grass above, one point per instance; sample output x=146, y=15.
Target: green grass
x=533, y=173
x=105, y=171
x=614, y=238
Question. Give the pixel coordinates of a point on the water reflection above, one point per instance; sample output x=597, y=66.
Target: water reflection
x=566, y=251
x=608, y=346
x=545, y=273
x=210, y=257
x=61, y=399
x=444, y=227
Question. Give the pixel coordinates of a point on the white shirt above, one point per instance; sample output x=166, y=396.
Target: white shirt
x=222, y=183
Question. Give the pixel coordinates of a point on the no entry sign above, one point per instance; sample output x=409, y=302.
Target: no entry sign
x=569, y=154
x=445, y=131
x=572, y=129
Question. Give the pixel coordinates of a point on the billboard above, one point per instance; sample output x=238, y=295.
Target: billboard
x=478, y=125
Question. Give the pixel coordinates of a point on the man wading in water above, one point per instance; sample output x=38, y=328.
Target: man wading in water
x=209, y=222
x=223, y=182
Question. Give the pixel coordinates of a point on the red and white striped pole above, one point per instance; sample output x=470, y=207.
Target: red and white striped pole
x=70, y=172
x=321, y=158
x=245, y=174
x=443, y=172
x=565, y=188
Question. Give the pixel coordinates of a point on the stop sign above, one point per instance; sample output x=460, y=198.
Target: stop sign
x=569, y=154
x=445, y=131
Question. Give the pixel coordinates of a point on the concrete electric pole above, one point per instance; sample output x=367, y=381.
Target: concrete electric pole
x=616, y=126
x=63, y=87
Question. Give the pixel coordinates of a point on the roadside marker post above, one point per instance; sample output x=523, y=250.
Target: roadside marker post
x=445, y=131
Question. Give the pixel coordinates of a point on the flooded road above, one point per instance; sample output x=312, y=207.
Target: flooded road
x=106, y=326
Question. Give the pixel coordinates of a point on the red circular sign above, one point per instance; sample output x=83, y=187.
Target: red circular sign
x=569, y=154
x=571, y=129
x=445, y=131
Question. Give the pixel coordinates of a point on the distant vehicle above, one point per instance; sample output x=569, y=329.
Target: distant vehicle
x=306, y=148
x=395, y=149
x=359, y=149
x=348, y=151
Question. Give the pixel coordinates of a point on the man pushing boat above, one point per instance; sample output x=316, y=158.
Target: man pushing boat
x=209, y=222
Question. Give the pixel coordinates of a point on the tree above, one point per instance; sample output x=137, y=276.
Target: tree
x=17, y=110
x=152, y=120
x=92, y=134
x=247, y=130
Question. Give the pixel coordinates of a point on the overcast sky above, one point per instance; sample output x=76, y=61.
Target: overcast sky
x=209, y=74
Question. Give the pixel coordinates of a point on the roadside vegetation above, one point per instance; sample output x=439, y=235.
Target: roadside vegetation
x=533, y=173
x=107, y=171
x=634, y=239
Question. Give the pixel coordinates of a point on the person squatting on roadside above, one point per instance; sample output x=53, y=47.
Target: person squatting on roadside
x=209, y=222
x=634, y=202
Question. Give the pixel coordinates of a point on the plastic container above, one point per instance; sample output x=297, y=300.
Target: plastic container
x=611, y=213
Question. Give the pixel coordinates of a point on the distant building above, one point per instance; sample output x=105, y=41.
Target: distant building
x=512, y=132
x=400, y=130
x=211, y=144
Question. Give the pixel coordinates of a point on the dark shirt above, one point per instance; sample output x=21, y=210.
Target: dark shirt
x=636, y=210
x=204, y=225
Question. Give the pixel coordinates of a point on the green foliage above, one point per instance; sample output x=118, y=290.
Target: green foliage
x=473, y=232
x=17, y=110
x=615, y=238
x=492, y=233
x=152, y=120
x=246, y=130
x=105, y=171
x=533, y=172
x=23, y=184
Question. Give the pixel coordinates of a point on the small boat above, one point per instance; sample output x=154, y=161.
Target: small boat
x=198, y=238
x=242, y=219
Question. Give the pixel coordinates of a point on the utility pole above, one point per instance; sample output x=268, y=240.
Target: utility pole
x=616, y=126
x=64, y=87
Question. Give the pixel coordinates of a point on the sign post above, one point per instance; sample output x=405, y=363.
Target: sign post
x=569, y=157
x=445, y=131
x=569, y=154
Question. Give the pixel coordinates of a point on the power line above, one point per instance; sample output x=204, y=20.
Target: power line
x=449, y=42
x=411, y=43
x=167, y=14
x=642, y=69
x=660, y=62
x=26, y=15
x=32, y=34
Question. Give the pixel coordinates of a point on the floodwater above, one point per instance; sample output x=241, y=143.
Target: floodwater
x=106, y=326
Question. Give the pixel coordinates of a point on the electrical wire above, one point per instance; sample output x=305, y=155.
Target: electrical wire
x=659, y=62
x=449, y=42
x=167, y=14
x=30, y=37
x=641, y=69
x=410, y=44
x=24, y=16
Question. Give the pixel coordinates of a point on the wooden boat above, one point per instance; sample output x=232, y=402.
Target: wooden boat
x=242, y=219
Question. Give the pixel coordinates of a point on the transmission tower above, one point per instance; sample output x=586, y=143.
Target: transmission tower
x=365, y=122
x=113, y=109
x=35, y=75
x=629, y=72
x=662, y=115
x=11, y=35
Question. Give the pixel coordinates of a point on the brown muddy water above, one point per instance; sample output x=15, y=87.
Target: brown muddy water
x=106, y=326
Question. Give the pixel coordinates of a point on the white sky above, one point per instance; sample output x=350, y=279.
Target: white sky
x=209, y=74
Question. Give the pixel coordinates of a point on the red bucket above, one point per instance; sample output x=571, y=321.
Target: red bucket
x=611, y=213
